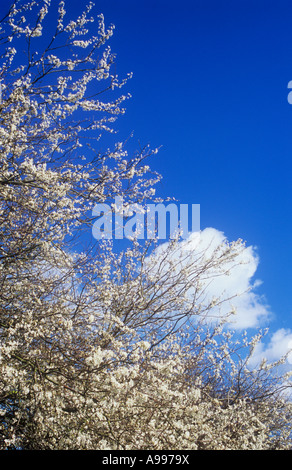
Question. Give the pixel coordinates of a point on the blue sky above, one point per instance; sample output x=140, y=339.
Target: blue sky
x=210, y=86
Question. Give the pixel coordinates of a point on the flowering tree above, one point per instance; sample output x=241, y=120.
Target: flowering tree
x=99, y=349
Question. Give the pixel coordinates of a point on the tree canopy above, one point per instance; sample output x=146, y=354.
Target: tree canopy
x=103, y=348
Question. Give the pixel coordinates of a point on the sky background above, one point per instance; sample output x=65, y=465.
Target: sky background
x=210, y=86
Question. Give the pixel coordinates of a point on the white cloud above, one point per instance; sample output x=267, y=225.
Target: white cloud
x=239, y=284
x=278, y=346
x=235, y=282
